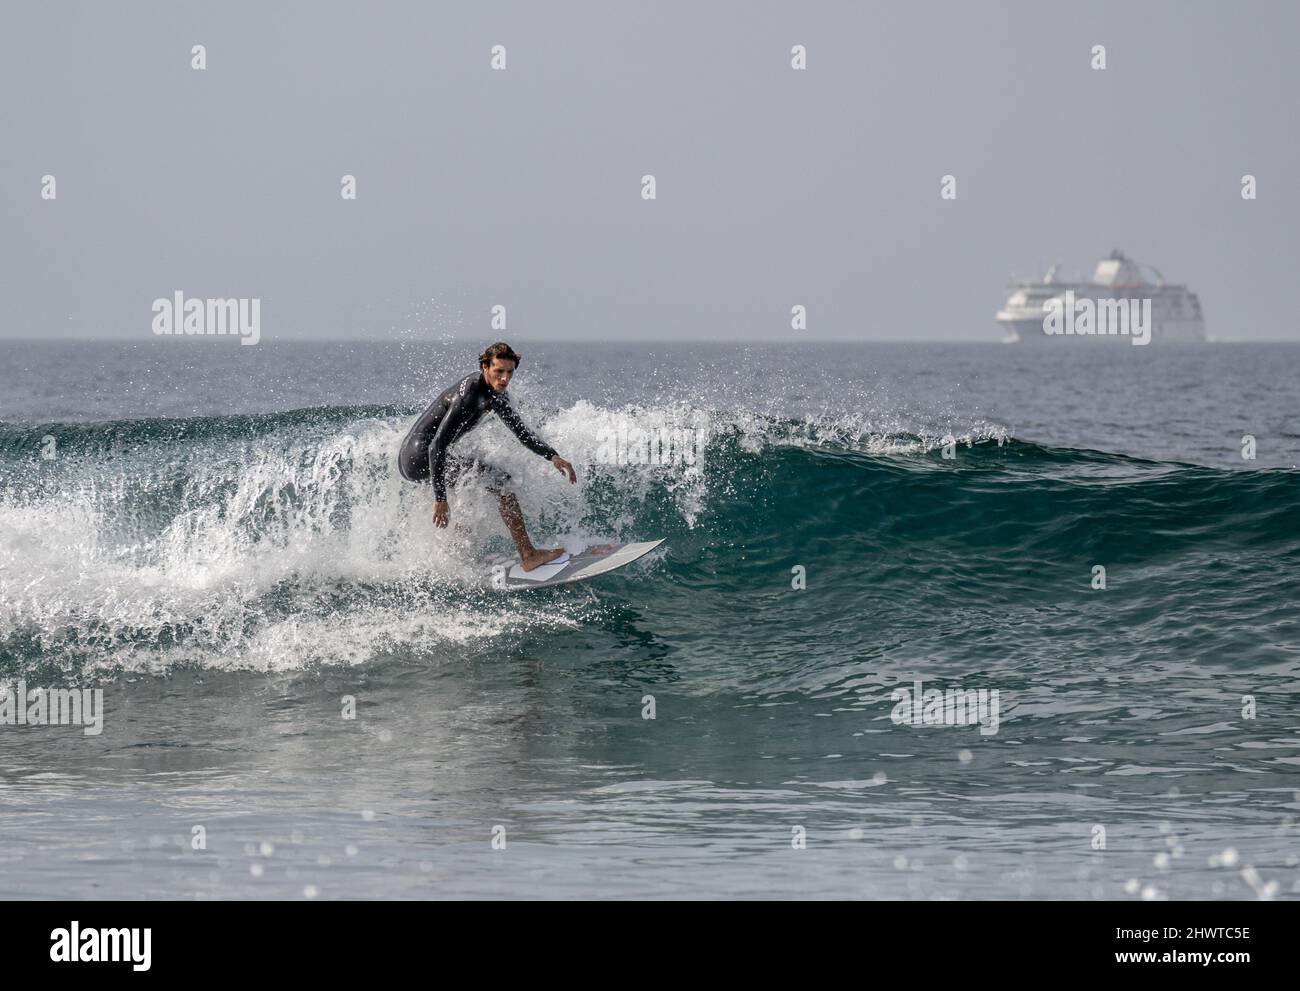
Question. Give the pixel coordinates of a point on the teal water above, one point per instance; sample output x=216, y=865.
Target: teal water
x=228, y=573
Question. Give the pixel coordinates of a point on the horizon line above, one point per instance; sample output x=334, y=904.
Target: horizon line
x=599, y=340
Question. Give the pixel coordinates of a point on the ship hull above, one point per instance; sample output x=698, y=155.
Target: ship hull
x=1028, y=329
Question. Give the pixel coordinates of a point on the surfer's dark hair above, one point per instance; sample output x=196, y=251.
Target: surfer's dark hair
x=500, y=350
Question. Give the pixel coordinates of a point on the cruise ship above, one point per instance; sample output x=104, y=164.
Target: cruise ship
x=1174, y=313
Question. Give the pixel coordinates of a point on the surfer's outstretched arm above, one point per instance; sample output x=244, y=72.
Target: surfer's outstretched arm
x=510, y=417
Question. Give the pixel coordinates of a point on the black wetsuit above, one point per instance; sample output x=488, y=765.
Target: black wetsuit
x=424, y=456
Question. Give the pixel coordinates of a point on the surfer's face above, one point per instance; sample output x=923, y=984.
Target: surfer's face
x=497, y=374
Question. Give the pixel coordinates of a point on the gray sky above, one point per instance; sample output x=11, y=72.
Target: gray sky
x=522, y=187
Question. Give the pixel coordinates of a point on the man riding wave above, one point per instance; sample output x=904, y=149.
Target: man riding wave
x=425, y=454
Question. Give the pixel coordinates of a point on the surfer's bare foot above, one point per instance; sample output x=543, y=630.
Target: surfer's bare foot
x=538, y=557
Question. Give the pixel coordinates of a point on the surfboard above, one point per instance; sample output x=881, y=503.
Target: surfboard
x=598, y=559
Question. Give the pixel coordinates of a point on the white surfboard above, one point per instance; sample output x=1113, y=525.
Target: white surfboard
x=597, y=559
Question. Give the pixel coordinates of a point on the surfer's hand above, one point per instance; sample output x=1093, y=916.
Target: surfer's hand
x=440, y=514
x=565, y=468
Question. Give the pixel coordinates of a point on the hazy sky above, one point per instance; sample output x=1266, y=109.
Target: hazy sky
x=523, y=187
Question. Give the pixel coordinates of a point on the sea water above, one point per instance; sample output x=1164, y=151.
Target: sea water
x=308, y=691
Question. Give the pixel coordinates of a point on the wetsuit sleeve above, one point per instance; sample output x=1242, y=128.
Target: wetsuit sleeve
x=448, y=428
x=526, y=437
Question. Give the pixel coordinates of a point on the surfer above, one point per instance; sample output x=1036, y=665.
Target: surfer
x=425, y=457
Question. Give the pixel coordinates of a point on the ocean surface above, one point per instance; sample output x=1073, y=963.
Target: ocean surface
x=216, y=537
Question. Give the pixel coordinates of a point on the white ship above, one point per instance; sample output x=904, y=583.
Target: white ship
x=1174, y=313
